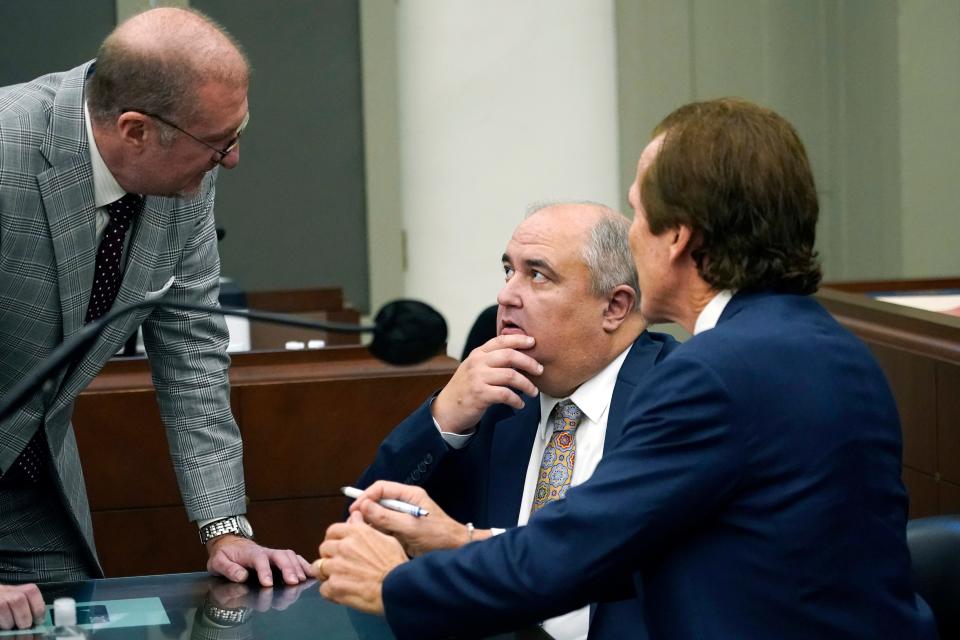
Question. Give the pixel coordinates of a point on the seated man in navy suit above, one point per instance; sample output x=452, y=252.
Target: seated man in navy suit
x=569, y=329
x=755, y=489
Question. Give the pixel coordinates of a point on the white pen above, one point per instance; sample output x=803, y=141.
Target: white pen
x=396, y=505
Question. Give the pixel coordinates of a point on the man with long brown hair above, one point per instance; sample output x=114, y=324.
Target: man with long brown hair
x=754, y=493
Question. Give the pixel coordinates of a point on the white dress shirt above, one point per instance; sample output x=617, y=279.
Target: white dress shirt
x=711, y=313
x=593, y=397
x=106, y=189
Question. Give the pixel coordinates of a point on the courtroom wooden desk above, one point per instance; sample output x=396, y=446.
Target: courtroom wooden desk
x=311, y=422
x=324, y=304
x=920, y=353
x=200, y=607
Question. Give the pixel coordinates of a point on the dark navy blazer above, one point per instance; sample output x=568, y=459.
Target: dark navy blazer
x=483, y=482
x=754, y=492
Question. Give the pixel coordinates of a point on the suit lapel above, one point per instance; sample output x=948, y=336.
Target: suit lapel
x=67, y=192
x=643, y=355
x=512, y=441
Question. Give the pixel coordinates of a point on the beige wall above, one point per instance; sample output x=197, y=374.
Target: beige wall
x=871, y=85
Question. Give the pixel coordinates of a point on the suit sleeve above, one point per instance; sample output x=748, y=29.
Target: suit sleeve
x=677, y=461
x=456, y=479
x=189, y=362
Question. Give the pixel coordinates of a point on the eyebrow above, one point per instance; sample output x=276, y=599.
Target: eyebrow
x=535, y=263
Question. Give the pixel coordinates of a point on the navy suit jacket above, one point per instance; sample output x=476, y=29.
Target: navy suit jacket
x=754, y=493
x=483, y=482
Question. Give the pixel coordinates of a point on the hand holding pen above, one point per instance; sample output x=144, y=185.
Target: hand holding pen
x=417, y=534
x=395, y=505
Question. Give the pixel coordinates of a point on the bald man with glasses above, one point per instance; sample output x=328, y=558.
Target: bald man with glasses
x=104, y=205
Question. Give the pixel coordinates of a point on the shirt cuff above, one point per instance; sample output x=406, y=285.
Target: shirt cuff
x=495, y=531
x=454, y=440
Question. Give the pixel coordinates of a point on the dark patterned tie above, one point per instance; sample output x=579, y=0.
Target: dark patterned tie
x=108, y=273
x=556, y=467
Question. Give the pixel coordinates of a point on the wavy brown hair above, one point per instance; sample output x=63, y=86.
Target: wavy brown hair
x=738, y=176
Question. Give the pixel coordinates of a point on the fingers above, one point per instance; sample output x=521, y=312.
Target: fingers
x=304, y=566
x=318, y=569
x=20, y=606
x=290, y=565
x=234, y=557
x=221, y=565
x=397, y=491
x=506, y=341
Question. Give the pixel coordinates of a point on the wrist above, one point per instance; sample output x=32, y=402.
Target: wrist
x=228, y=538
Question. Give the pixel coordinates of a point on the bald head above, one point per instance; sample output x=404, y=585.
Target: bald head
x=158, y=60
x=605, y=247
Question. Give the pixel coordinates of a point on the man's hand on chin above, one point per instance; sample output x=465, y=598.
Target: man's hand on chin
x=354, y=560
x=233, y=556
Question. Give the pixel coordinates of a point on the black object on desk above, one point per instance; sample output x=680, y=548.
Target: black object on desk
x=202, y=607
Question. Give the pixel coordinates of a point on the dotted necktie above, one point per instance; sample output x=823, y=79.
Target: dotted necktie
x=108, y=274
x=29, y=465
x=556, y=467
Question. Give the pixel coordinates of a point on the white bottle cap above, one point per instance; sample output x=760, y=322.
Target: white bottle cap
x=294, y=345
x=316, y=344
x=65, y=612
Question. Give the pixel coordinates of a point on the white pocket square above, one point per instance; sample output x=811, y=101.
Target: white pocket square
x=153, y=295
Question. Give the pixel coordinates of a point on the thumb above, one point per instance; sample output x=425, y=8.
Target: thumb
x=356, y=518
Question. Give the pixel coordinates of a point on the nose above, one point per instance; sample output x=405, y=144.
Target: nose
x=232, y=159
x=509, y=295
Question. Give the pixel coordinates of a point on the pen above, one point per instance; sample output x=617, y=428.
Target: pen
x=396, y=505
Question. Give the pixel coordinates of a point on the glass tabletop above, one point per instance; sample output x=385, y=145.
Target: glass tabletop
x=199, y=606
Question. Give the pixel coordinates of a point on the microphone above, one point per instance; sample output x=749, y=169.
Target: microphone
x=404, y=332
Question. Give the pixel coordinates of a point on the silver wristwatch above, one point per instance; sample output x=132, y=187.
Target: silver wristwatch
x=237, y=525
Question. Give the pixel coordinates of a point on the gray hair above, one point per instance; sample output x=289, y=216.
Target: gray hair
x=606, y=253
x=156, y=61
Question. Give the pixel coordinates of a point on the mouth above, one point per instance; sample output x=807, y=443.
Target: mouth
x=509, y=327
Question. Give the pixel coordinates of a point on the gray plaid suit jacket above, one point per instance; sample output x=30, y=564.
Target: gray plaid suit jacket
x=47, y=255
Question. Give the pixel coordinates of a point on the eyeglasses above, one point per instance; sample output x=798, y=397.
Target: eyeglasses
x=221, y=153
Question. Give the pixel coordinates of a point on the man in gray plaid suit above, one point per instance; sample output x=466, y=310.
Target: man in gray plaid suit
x=162, y=107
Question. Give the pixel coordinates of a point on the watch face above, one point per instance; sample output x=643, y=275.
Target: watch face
x=245, y=526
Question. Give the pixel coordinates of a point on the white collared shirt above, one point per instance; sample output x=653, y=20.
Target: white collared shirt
x=711, y=313
x=106, y=189
x=593, y=397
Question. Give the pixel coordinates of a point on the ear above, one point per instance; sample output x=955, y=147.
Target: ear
x=134, y=130
x=619, y=307
x=682, y=243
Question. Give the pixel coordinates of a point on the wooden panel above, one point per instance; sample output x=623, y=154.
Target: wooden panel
x=949, y=498
x=295, y=524
x=135, y=542
x=913, y=382
x=311, y=438
x=948, y=421
x=295, y=300
x=923, y=492
x=274, y=336
x=124, y=449
x=311, y=421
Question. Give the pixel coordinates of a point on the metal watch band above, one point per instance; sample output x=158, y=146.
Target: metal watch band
x=226, y=617
x=233, y=525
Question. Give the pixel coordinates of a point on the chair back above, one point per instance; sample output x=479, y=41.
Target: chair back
x=934, y=544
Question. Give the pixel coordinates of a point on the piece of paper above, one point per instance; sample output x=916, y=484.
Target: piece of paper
x=133, y=612
x=944, y=303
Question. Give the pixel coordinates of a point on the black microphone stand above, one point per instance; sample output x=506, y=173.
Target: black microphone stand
x=76, y=345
